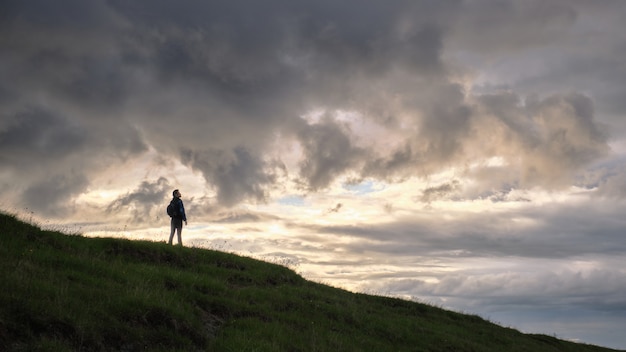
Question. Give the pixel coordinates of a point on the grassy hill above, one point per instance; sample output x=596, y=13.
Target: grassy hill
x=70, y=293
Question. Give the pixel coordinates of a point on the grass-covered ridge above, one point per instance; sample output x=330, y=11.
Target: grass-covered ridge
x=71, y=293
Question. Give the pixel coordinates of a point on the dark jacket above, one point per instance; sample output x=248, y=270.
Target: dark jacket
x=179, y=209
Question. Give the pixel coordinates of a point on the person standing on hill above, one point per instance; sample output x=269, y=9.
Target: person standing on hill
x=178, y=216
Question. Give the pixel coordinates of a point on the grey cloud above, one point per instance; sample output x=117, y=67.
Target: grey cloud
x=597, y=289
x=434, y=193
x=548, y=140
x=570, y=120
x=610, y=179
x=557, y=46
x=238, y=174
x=52, y=195
x=74, y=13
x=520, y=25
x=36, y=133
x=570, y=136
x=78, y=62
x=335, y=209
x=548, y=232
x=51, y=156
x=397, y=164
x=140, y=204
x=37, y=140
x=57, y=121
x=328, y=153
x=228, y=47
x=441, y=120
x=446, y=124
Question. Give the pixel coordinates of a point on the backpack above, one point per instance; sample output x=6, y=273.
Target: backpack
x=171, y=210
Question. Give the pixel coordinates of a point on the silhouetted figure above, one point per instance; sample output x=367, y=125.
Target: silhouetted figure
x=178, y=216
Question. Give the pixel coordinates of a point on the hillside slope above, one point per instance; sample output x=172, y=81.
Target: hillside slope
x=70, y=293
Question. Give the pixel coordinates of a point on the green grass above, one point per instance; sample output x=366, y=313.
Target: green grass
x=70, y=293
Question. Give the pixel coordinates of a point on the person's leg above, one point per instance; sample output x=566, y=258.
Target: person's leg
x=180, y=231
x=172, y=229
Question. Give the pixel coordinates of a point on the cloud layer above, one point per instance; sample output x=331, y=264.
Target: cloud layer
x=218, y=86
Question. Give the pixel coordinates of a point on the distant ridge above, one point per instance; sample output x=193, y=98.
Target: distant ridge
x=71, y=293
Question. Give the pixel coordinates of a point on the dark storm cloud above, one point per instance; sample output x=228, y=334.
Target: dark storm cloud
x=140, y=204
x=37, y=133
x=328, y=153
x=68, y=52
x=520, y=25
x=52, y=195
x=441, y=122
x=214, y=83
x=236, y=175
x=547, y=47
x=62, y=83
x=50, y=156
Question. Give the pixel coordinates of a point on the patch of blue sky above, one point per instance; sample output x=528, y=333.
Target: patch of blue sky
x=362, y=188
x=293, y=200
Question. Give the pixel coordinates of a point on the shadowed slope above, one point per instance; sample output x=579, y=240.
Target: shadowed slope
x=67, y=293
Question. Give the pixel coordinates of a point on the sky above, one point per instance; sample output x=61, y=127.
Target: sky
x=467, y=154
